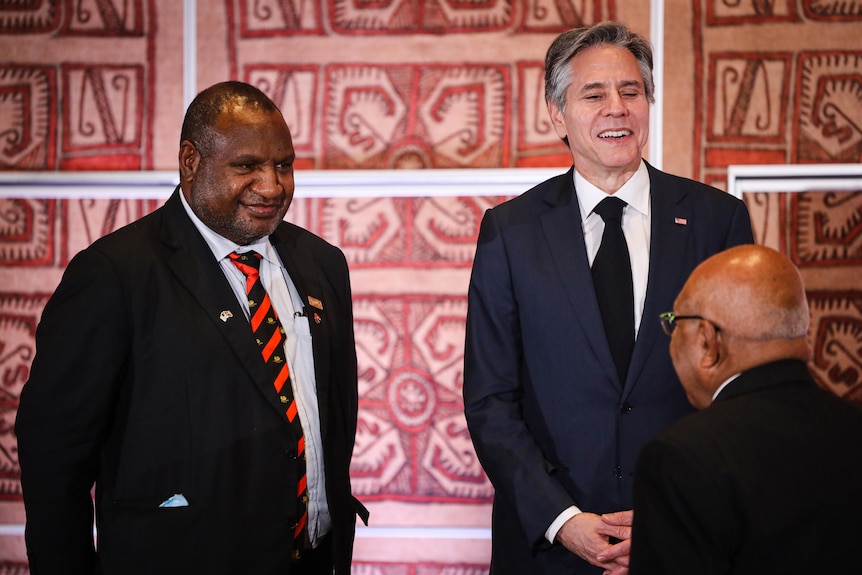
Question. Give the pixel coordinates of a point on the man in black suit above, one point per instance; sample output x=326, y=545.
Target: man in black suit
x=148, y=383
x=766, y=478
x=556, y=411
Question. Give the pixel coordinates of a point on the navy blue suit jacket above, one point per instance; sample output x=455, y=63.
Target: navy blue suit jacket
x=552, y=423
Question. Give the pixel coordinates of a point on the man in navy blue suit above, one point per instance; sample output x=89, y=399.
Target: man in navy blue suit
x=558, y=414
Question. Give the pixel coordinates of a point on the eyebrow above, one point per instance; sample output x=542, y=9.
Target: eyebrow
x=246, y=159
x=623, y=84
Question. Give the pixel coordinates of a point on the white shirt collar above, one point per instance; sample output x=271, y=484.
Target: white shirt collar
x=725, y=384
x=635, y=192
x=222, y=247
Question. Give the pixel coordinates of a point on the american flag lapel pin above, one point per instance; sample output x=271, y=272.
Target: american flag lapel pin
x=680, y=221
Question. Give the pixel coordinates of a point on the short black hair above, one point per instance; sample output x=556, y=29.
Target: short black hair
x=208, y=105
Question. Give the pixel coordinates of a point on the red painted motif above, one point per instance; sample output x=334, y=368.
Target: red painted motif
x=408, y=116
x=27, y=117
x=829, y=110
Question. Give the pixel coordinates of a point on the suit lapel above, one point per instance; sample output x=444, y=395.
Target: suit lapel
x=565, y=236
x=669, y=236
x=194, y=266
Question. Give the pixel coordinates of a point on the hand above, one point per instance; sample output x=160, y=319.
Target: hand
x=587, y=534
x=620, y=524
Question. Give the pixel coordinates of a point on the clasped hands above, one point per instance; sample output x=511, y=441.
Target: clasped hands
x=589, y=536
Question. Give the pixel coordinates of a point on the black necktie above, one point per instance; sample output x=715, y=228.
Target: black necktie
x=612, y=277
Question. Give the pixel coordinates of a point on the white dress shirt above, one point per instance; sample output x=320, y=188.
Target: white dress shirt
x=636, y=228
x=298, y=350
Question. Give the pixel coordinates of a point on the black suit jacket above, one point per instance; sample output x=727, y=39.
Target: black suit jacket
x=552, y=423
x=765, y=480
x=140, y=386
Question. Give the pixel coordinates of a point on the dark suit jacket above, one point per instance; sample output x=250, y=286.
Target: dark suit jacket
x=552, y=424
x=765, y=480
x=139, y=386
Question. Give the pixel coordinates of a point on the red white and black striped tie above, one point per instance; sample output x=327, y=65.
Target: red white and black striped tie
x=269, y=335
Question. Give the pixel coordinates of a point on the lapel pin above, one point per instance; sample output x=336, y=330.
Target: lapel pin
x=680, y=221
x=314, y=302
x=316, y=318
x=225, y=315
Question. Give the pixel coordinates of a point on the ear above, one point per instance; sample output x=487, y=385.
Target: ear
x=189, y=160
x=710, y=344
x=558, y=119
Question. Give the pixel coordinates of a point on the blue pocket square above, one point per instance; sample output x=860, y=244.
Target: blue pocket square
x=175, y=500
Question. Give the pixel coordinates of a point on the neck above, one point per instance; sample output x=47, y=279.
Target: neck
x=753, y=353
x=609, y=182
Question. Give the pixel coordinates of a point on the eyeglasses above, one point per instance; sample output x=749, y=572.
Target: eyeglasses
x=668, y=321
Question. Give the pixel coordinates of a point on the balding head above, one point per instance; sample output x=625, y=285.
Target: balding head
x=756, y=312
x=753, y=292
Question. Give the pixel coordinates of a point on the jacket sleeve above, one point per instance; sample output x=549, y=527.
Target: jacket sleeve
x=740, y=231
x=493, y=389
x=65, y=408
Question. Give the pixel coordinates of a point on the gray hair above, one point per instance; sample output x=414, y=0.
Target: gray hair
x=558, y=73
x=777, y=316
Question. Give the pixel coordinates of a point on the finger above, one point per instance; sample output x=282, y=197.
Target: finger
x=616, y=553
x=619, y=518
x=616, y=533
x=615, y=570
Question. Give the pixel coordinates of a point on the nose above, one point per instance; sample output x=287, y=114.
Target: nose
x=268, y=183
x=616, y=105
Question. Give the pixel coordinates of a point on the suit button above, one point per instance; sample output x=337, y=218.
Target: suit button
x=290, y=454
x=626, y=407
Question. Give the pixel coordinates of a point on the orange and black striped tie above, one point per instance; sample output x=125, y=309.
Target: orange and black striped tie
x=269, y=335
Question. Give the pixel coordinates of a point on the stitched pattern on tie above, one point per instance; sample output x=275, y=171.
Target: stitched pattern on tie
x=269, y=336
x=612, y=278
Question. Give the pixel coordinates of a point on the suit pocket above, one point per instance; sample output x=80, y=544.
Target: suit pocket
x=137, y=536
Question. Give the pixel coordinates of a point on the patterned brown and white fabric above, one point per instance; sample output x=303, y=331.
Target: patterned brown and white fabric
x=416, y=84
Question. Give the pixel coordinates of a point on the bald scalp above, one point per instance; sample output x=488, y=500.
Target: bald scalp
x=752, y=292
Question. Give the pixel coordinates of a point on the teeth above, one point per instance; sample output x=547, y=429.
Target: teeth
x=614, y=134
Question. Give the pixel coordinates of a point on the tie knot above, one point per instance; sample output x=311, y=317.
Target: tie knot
x=245, y=260
x=610, y=209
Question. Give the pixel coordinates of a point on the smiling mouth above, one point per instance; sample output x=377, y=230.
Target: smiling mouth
x=263, y=209
x=614, y=134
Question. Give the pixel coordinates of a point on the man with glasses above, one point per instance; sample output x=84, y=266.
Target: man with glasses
x=766, y=478
x=563, y=382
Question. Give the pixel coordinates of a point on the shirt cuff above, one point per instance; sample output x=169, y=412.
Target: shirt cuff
x=551, y=533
